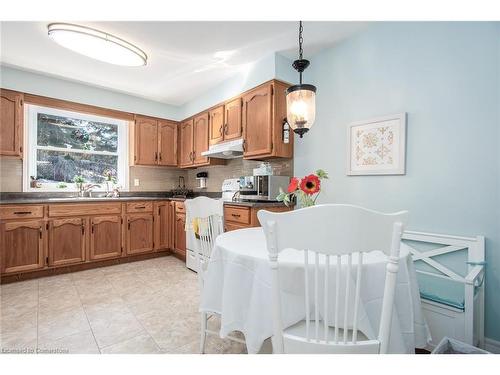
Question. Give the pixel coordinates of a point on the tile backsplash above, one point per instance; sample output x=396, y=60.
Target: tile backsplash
x=235, y=168
x=159, y=178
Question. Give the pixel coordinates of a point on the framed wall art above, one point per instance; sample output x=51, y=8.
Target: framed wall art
x=377, y=146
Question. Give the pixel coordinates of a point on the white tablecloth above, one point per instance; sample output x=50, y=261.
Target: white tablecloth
x=237, y=286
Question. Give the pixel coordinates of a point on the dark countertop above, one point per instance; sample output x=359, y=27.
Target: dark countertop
x=49, y=198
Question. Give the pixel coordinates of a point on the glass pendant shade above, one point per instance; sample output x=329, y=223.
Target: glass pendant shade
x=301, y=107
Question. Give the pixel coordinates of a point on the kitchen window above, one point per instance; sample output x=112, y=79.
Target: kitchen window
x=61, y=145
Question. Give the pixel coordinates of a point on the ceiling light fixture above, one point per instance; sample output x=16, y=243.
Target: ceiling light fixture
x=97, y=44
x=301, y=98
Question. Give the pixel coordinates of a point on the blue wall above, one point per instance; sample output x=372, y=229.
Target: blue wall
x=44, y=85
x=446, y=77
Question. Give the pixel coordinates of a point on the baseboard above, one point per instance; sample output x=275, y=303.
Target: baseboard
x=491, y=345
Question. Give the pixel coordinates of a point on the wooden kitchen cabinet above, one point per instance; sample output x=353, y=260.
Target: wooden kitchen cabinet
x=225, y=122
x=216, y=128
x=140, y=236
x=264, y=109
x=11, y=123
x=180, y=235
x=164, y=225
x=146, y=141
x=66, y=241
x=167, y=143
x=105, y=237
x=239, y=217
x=193, y=140
x=186, y=144
x=22, y=245
x=154, y=141
x=233, y=127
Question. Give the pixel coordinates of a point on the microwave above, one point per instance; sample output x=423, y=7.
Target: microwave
x=262, y=188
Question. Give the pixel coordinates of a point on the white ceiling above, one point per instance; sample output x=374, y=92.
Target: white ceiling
x=185, y=59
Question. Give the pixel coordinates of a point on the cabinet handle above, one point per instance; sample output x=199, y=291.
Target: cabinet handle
x=22, y=212
x=156, y=156
x=159, y=155
x=92, y=228
x=220, y=130
x=225, y=128
x=83, y=229
x=140, y=207
x=41, y=232
x=244, y=145
x=235, y=215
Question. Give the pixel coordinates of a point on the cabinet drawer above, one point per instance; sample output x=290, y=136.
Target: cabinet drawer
x=84, y=209
x=180, y=207
x=237, y=214
x=22, y=211
x=228, y=227
x=140, y=207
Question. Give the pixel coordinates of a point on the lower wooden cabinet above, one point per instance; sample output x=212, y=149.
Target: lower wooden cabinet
x=66, y=241
x=140, y=237
x=180, y=234
x=105, y=237
x=239, y=217
x=164, y=225
x=22, y=246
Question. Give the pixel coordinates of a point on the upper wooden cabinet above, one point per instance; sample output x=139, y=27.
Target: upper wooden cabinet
x=216, y=128
x=193, y=140
x=200, y=133
x=232, y=116
x=11, y=123
x=264, y=109
x=186, y=143
x=225, y=122
x=153, y=141
x=167, y=143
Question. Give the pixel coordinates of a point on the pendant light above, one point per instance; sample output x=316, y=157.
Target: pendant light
x=301, y=98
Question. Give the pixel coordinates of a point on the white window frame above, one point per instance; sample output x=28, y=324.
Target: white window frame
x=30, y=146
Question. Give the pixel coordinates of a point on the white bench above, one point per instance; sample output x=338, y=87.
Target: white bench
x=450, y=272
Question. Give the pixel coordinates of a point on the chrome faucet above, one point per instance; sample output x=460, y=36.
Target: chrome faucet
x=88, y=188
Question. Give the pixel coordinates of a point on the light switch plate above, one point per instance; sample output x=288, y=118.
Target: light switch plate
x=136, y=182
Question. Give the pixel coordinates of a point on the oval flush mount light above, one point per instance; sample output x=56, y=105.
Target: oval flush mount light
x=97, y=44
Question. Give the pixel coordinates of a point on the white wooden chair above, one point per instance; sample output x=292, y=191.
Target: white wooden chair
x=333, y=230
x=204, y=221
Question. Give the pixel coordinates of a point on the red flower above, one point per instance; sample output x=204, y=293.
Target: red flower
x=294, y=184
x=310, y=184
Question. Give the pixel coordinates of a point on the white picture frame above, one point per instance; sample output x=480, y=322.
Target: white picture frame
x=377, y=146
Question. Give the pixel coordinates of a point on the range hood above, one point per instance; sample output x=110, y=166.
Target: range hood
x=226, y=150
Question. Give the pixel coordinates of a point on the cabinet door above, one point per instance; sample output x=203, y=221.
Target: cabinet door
x=146, y=141
x=216, y=128
x=66, y=241
x=257, y=121
x=167, y=143
x=163, y=225
x=22, y=246
x=232, y=127
x=105, y=237
x=200, y=130
x=11, y=123
x=139, y=233
x=180, y=234
x=186, y=143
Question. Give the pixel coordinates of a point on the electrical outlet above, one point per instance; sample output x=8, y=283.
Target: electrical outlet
x=136, y=182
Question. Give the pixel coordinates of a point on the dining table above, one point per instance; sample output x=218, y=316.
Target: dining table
x=237, y=287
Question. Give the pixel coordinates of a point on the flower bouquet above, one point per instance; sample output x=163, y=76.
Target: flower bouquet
x=305, y=190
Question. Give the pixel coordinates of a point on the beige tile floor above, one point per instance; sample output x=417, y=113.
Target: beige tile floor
x=149, y=306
